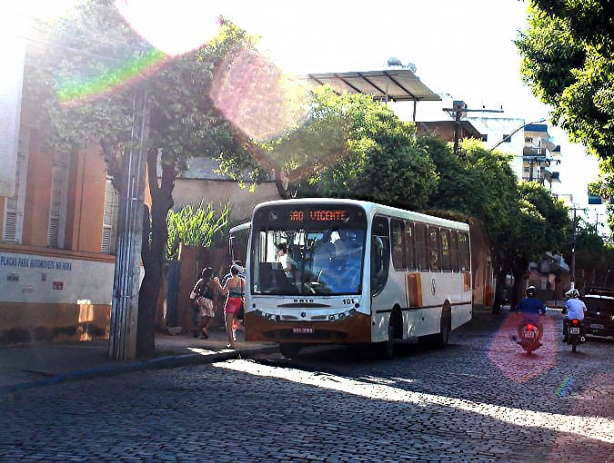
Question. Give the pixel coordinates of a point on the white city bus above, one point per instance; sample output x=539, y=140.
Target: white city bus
x=356, y=273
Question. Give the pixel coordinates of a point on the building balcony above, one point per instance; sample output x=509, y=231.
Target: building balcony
x=531, y=152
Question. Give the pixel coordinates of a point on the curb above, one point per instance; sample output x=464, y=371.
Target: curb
x=169, y=361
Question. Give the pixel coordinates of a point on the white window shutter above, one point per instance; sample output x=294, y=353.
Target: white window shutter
x=110, y=217
x=57, y=209
x=14, y=206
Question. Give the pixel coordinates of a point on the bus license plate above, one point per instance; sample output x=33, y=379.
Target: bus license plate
x=574, y=330
x=303, y=330
x=597, y=326
x=529, y=334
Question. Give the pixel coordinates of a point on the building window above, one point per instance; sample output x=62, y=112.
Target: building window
x=110, y=218
x=14, y=206
x=57, y=210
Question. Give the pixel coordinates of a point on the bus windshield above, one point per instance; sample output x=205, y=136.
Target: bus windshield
x=308, y=251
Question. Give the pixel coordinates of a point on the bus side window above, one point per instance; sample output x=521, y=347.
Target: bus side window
x=434, y=249
x=397, y=230
x=446, y=264
x=421, y=247
x=410, y=252
x=380, y=254
x=463, y=244
x=454, y=250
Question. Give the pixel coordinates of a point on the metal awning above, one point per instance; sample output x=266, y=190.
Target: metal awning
x=387, y=85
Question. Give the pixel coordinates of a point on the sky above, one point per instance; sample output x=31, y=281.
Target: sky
x=462, y=48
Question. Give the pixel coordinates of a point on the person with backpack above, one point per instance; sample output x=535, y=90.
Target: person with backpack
x=202, y=301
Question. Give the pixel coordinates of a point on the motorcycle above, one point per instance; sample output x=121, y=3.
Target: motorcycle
x=574, y=334
x=529, y=335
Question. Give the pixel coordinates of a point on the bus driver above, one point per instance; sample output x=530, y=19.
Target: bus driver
x=287, y=263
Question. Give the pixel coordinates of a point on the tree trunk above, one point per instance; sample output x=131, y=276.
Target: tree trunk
x=155, y=235
x=500, y=287
x=518, y=291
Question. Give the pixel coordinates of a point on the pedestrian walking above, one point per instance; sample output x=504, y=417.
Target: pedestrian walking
x=202, y=302
x=234, y=290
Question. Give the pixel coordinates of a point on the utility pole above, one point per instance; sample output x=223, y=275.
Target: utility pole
x=125, y=309
x=458, y=111
x=573, y=247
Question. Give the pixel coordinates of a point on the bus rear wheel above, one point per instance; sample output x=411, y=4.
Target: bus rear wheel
x=439, y=340
x=289, y=350
x=445, y=326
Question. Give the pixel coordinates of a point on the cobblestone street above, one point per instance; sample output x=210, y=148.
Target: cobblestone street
x=481, y=399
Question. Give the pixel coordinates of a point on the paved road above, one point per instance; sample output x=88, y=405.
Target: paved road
x=479, y=400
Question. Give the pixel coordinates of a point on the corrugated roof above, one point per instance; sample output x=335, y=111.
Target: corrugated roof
x=392, y=84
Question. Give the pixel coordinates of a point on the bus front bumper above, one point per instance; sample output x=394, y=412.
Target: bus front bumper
x=352, y=330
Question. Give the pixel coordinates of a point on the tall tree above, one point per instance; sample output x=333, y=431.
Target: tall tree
x=380, y=159
x=594, y=257
x=567, y=60
x=480, y=184
x=544, y=226
x=82, y=89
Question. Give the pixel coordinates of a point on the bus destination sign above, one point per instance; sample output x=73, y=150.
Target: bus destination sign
x=319, y=215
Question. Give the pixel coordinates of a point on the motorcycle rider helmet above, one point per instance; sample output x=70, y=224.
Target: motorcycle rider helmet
x=572, y=294
x=531, y=291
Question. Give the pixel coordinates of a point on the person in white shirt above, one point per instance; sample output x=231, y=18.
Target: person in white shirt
x=574, y=308
x=287, y=263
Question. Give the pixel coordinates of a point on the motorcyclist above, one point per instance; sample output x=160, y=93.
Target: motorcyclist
x=531, y=308
x=573, y=308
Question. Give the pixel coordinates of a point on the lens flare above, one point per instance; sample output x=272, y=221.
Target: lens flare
x=511, y=359
x=593, y=400
x=257, y=97
x=565, y=387
x=173, y=26
x=80, y=91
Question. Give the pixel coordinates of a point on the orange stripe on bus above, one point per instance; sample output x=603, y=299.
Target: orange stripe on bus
x=414, y=285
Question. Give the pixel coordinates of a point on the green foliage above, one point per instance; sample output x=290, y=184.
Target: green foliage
x=196, y=226
x=594, y=257
x=379, y=160
x=555, y=215
x=567, y=60
x=481, y=184
x=82, y=88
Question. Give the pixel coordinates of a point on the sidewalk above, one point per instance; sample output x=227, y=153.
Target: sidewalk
x=27, y=366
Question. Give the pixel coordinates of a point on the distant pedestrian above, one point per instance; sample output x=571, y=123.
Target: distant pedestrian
x=234, y=289
x=202, y=302
x=237, y=324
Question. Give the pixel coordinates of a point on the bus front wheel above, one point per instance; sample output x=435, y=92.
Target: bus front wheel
x=289, y=350
x=386, y=348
